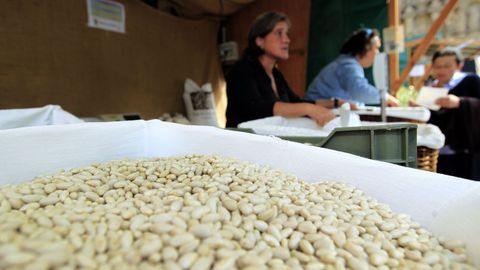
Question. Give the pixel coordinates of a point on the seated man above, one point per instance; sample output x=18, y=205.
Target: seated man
x=457, y=117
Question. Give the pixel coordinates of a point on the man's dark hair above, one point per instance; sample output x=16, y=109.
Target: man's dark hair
x=261, y=27
x=448, y=52
x=359, y=42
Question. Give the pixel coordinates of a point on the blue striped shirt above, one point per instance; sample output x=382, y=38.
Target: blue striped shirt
x=343, y=78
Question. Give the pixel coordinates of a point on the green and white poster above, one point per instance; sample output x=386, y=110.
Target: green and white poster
x=106, y=14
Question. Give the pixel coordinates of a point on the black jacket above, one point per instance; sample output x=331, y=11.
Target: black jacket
x=461, y=126
x=250, y=93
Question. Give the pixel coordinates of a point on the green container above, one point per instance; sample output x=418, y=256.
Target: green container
x=394, y=143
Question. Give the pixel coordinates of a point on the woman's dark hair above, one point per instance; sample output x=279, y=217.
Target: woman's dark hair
x=359, y=42
x=261, y=27
x=449, y=52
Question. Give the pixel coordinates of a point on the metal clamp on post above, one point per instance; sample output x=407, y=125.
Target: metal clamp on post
x=380, y=76
x=383, y=101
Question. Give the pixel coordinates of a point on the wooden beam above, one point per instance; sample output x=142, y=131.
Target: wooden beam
x=476, y=52
x=393, y=59
x=445, y=42
x=422, y=48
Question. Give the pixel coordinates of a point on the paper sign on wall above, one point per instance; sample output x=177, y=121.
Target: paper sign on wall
x=393, y=39
x=106, y=14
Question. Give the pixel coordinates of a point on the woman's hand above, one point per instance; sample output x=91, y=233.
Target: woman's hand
x=449, y=102
x=392, y=101
x=413, y=103
x=319, y=114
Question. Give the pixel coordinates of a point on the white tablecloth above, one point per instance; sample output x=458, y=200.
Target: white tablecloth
x=446, y=205
x=427, y=134
x=412, y=113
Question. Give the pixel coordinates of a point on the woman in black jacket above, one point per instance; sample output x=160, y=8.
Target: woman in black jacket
x=256, y=88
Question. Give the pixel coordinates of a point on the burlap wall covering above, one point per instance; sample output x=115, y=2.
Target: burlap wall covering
x=49, y=56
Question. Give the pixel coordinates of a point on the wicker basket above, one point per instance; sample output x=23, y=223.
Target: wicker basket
x=427, y=158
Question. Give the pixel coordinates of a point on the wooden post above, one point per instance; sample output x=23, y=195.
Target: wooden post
x=422, y=48
x=393, y=59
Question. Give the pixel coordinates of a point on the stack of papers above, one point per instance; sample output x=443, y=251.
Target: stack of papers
x=428, y=96
x=412, y=113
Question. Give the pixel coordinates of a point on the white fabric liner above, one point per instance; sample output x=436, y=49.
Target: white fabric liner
x=427, y=134
x=446, y=205
x=302, y=126
x=47, y=115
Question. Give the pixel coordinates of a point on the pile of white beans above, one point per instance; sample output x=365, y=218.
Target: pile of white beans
x=206, y=212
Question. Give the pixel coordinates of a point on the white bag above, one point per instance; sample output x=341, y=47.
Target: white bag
x=430, y=136
x=200, y=104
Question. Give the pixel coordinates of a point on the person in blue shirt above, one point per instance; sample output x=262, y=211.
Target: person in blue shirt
x=344, y=78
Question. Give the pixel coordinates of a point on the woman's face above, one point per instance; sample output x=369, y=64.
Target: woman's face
x=369, y=57
x=276, y=43
x=444, y=67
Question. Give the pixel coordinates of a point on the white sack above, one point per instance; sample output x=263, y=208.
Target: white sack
x=430, y=136
x=200, y=104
